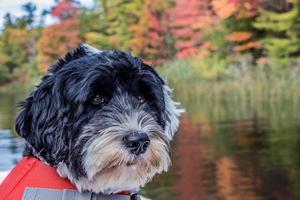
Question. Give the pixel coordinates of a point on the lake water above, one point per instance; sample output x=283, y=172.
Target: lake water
x=11, y=146
x=225, y=149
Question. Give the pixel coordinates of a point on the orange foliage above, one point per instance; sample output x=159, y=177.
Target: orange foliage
x=262, y=61
x=223, y=8
x=18, y=35
x=239, y=36
x=239, y=8
x=247, y=46
x=57, y=39
x=242, y=40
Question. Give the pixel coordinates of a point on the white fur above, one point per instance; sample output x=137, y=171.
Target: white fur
x=89, y=50
x=106, y=158
x=173, y=111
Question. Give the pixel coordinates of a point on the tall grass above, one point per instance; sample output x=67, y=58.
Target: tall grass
x=241, y=92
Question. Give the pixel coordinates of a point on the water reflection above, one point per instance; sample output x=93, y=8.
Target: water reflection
x=193, y=163
x=11, y=146
x=223, y=151
x=231, y=161
x=11, y=149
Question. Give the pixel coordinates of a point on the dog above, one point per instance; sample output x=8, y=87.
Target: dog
x=103, y=119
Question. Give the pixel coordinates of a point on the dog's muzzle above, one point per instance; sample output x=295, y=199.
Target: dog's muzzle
x=137, y=142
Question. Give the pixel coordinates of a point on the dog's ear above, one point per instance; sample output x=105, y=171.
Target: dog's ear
x=172, y=110
x=23, y=120
x=172, y=113
x=42, y=126
x=81, y=51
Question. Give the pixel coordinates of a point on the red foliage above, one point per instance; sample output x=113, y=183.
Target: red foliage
x=64, y=9
x=187, y=21
x=149, y=34
x=57, y=39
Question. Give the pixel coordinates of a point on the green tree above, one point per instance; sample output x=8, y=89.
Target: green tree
x=17, y=41
x=30, y=9
x=282, y=30
x=110, y=23
x=94, y=25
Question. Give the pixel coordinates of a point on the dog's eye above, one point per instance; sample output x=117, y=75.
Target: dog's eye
x=141, y=99
x=97, y=100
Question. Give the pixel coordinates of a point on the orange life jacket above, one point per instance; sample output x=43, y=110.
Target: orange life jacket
x=31, y=172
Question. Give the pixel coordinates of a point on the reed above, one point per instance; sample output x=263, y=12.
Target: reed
x=256, y=92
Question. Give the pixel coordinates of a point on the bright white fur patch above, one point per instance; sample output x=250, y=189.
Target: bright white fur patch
x=89, y=50
x=173, y=111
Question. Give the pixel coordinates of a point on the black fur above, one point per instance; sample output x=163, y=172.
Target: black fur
x=53, y=116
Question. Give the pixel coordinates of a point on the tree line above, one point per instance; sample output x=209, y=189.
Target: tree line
x=156, y=30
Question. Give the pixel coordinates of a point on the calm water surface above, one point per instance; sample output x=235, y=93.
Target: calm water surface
x=223, y=150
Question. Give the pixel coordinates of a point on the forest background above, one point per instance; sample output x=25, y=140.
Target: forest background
x=213, y=39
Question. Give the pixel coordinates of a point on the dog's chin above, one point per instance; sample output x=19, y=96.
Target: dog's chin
x=129, y=176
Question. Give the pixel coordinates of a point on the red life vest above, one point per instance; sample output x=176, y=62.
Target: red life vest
x=31, y=172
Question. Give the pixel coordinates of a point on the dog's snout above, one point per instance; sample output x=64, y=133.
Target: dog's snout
x=137, y=142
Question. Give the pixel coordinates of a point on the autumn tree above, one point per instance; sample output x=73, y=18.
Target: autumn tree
x=188, y=22
x=121, y=15
x=236, y=17
x=57, y=39
x=149, y=34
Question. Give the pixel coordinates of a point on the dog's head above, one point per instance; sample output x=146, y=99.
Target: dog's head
x=104, y=118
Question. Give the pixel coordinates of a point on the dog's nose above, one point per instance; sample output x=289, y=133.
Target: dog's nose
x=137, y=142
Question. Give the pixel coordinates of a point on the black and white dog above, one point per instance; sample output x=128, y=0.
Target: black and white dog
x=105, y=119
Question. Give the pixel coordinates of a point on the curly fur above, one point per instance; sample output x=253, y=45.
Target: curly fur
x=63, y=127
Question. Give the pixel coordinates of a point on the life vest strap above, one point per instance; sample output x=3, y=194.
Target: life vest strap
x=49, y=194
